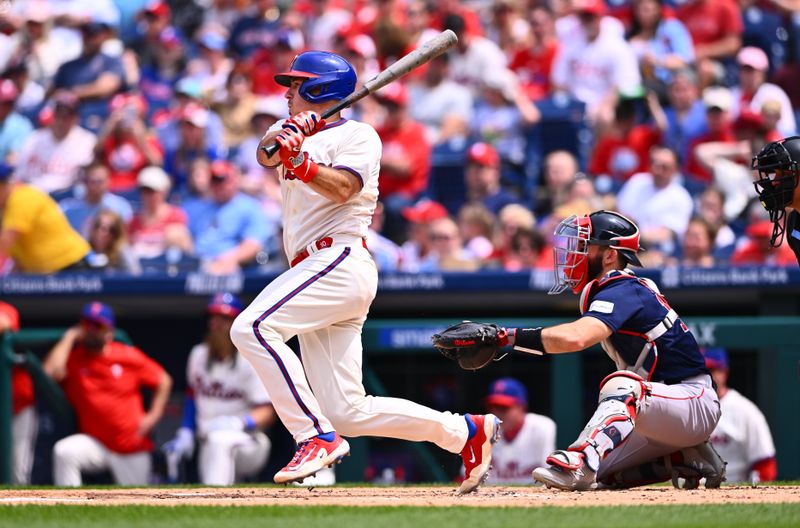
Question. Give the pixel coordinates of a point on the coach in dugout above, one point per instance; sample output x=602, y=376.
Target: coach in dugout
x=102, y=379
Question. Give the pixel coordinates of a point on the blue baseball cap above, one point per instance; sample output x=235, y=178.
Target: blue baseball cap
x=716, y=358
x=5, y=172
x=507, y=392
x=98, y=312
x=226, y=304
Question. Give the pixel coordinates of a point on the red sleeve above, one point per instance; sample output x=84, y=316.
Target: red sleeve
x=154, y=143
x=21, y=389
x=149, y=371
x=766, y=469
x=11, y=314
x=177, y=216
x=731, y=17
x=599, y=163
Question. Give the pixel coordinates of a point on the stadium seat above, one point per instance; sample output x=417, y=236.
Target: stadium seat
x=446, y=179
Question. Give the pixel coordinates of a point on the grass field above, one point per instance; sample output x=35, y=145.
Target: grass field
x=33, y=516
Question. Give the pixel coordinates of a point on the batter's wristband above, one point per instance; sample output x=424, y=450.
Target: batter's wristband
x=529, y=340
x=249, y=423
x=309, y=173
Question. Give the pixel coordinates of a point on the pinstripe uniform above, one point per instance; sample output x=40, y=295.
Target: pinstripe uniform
x=323, y=300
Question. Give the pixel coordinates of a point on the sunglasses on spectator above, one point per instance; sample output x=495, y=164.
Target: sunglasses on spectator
x=442, y=236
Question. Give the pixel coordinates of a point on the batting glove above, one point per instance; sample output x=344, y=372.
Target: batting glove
x=182, y=445
x=308, y=122
x=294, y=160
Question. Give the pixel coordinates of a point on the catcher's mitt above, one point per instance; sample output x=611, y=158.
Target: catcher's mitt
x=473, y=345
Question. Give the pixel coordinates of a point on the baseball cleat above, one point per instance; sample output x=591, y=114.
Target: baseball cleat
x=568, y=471
x=477, y=453
x=700, y=461
x=311, y=456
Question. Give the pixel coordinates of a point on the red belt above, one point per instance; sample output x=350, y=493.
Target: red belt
x=322, y=243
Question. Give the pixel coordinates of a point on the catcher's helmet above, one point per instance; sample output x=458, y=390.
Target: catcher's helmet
x=574, y=235
x=776, y=178
x=329, y=77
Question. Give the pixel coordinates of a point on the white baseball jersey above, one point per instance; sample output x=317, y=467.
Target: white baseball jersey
x=742, y=436
x=513, y=462
x=308, y=216
x=229, y=388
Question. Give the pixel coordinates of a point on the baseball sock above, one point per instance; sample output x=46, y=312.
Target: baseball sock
x=471, y=427
x=328, y=437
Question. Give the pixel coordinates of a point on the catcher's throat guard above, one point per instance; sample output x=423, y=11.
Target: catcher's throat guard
x=775, y=179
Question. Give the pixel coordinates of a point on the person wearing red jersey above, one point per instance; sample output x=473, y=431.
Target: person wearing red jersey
x=24, y=425
x=102, y=379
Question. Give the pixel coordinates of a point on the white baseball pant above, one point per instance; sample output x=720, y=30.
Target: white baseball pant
x=672, y=417
x=226, y=457
x=79, y=452
x=324, y=300
x=24, y=427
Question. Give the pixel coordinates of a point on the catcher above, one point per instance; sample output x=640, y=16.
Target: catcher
x=657, y=411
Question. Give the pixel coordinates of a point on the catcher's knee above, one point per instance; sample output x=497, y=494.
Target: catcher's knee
x=620, y=395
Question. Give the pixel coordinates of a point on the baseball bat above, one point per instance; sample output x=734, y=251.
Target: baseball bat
x=431, y=49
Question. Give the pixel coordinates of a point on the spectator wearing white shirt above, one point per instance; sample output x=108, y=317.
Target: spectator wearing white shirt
x=474, y=57
x=52, y=157
x=657, y=201
x=595, y=69
x=442, y=105
x=753, y=90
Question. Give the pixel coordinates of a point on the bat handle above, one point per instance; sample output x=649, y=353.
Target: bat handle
x=271, y=149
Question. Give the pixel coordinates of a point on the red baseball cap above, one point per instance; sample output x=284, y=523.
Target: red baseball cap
x=483, y=154
x=425, y=211
x=394, y=93
x=8, y=91
x=11, y=314
x=595, y=7
x=159, y=9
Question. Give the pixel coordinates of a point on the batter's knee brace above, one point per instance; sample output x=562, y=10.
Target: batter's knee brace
x=621, y=394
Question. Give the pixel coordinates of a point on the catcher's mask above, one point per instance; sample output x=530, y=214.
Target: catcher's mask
x=775, y=180
x=575, y=234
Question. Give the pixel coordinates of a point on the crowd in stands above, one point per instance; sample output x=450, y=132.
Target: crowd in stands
x=141, y=118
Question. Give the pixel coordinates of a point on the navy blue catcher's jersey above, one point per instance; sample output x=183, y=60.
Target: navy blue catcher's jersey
x=632, y=310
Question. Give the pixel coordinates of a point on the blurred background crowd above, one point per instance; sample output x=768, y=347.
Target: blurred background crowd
x=140, y=119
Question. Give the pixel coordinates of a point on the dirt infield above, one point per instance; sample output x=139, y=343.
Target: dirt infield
x=398, y=496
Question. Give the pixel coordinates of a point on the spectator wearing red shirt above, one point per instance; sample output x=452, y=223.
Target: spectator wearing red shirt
x=533, y=64
x=158, y=225
x=406, y=158
x=102, y=379
x=625, y=149
x=125, y=144
x=718, y=102
x=24, y=423
x=755, y=249
x=716, y=28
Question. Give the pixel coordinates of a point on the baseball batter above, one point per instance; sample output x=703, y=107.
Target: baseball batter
x=657, y=411
x=226, y=405
x=329, y=182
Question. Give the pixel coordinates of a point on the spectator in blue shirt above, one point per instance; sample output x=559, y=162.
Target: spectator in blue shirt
x=686, y=113
x=192, y=144
x=94, y=77
x=229, y=228
x=662, y=45
x=482, y=178
x=14, y=128
x=256, y=29
x=94, y=197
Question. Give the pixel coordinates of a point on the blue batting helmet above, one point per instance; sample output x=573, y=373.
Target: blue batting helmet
x=328, y=77
x=226, y=304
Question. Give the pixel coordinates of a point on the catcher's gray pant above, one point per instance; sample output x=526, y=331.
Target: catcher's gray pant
x=79, y=452
x=324, y=300
x=670, y=418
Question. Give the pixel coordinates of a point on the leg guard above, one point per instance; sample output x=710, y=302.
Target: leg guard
x=685, y=468
x=620, y=396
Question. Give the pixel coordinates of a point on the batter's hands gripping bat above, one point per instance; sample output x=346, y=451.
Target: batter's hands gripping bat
x=431, y=49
